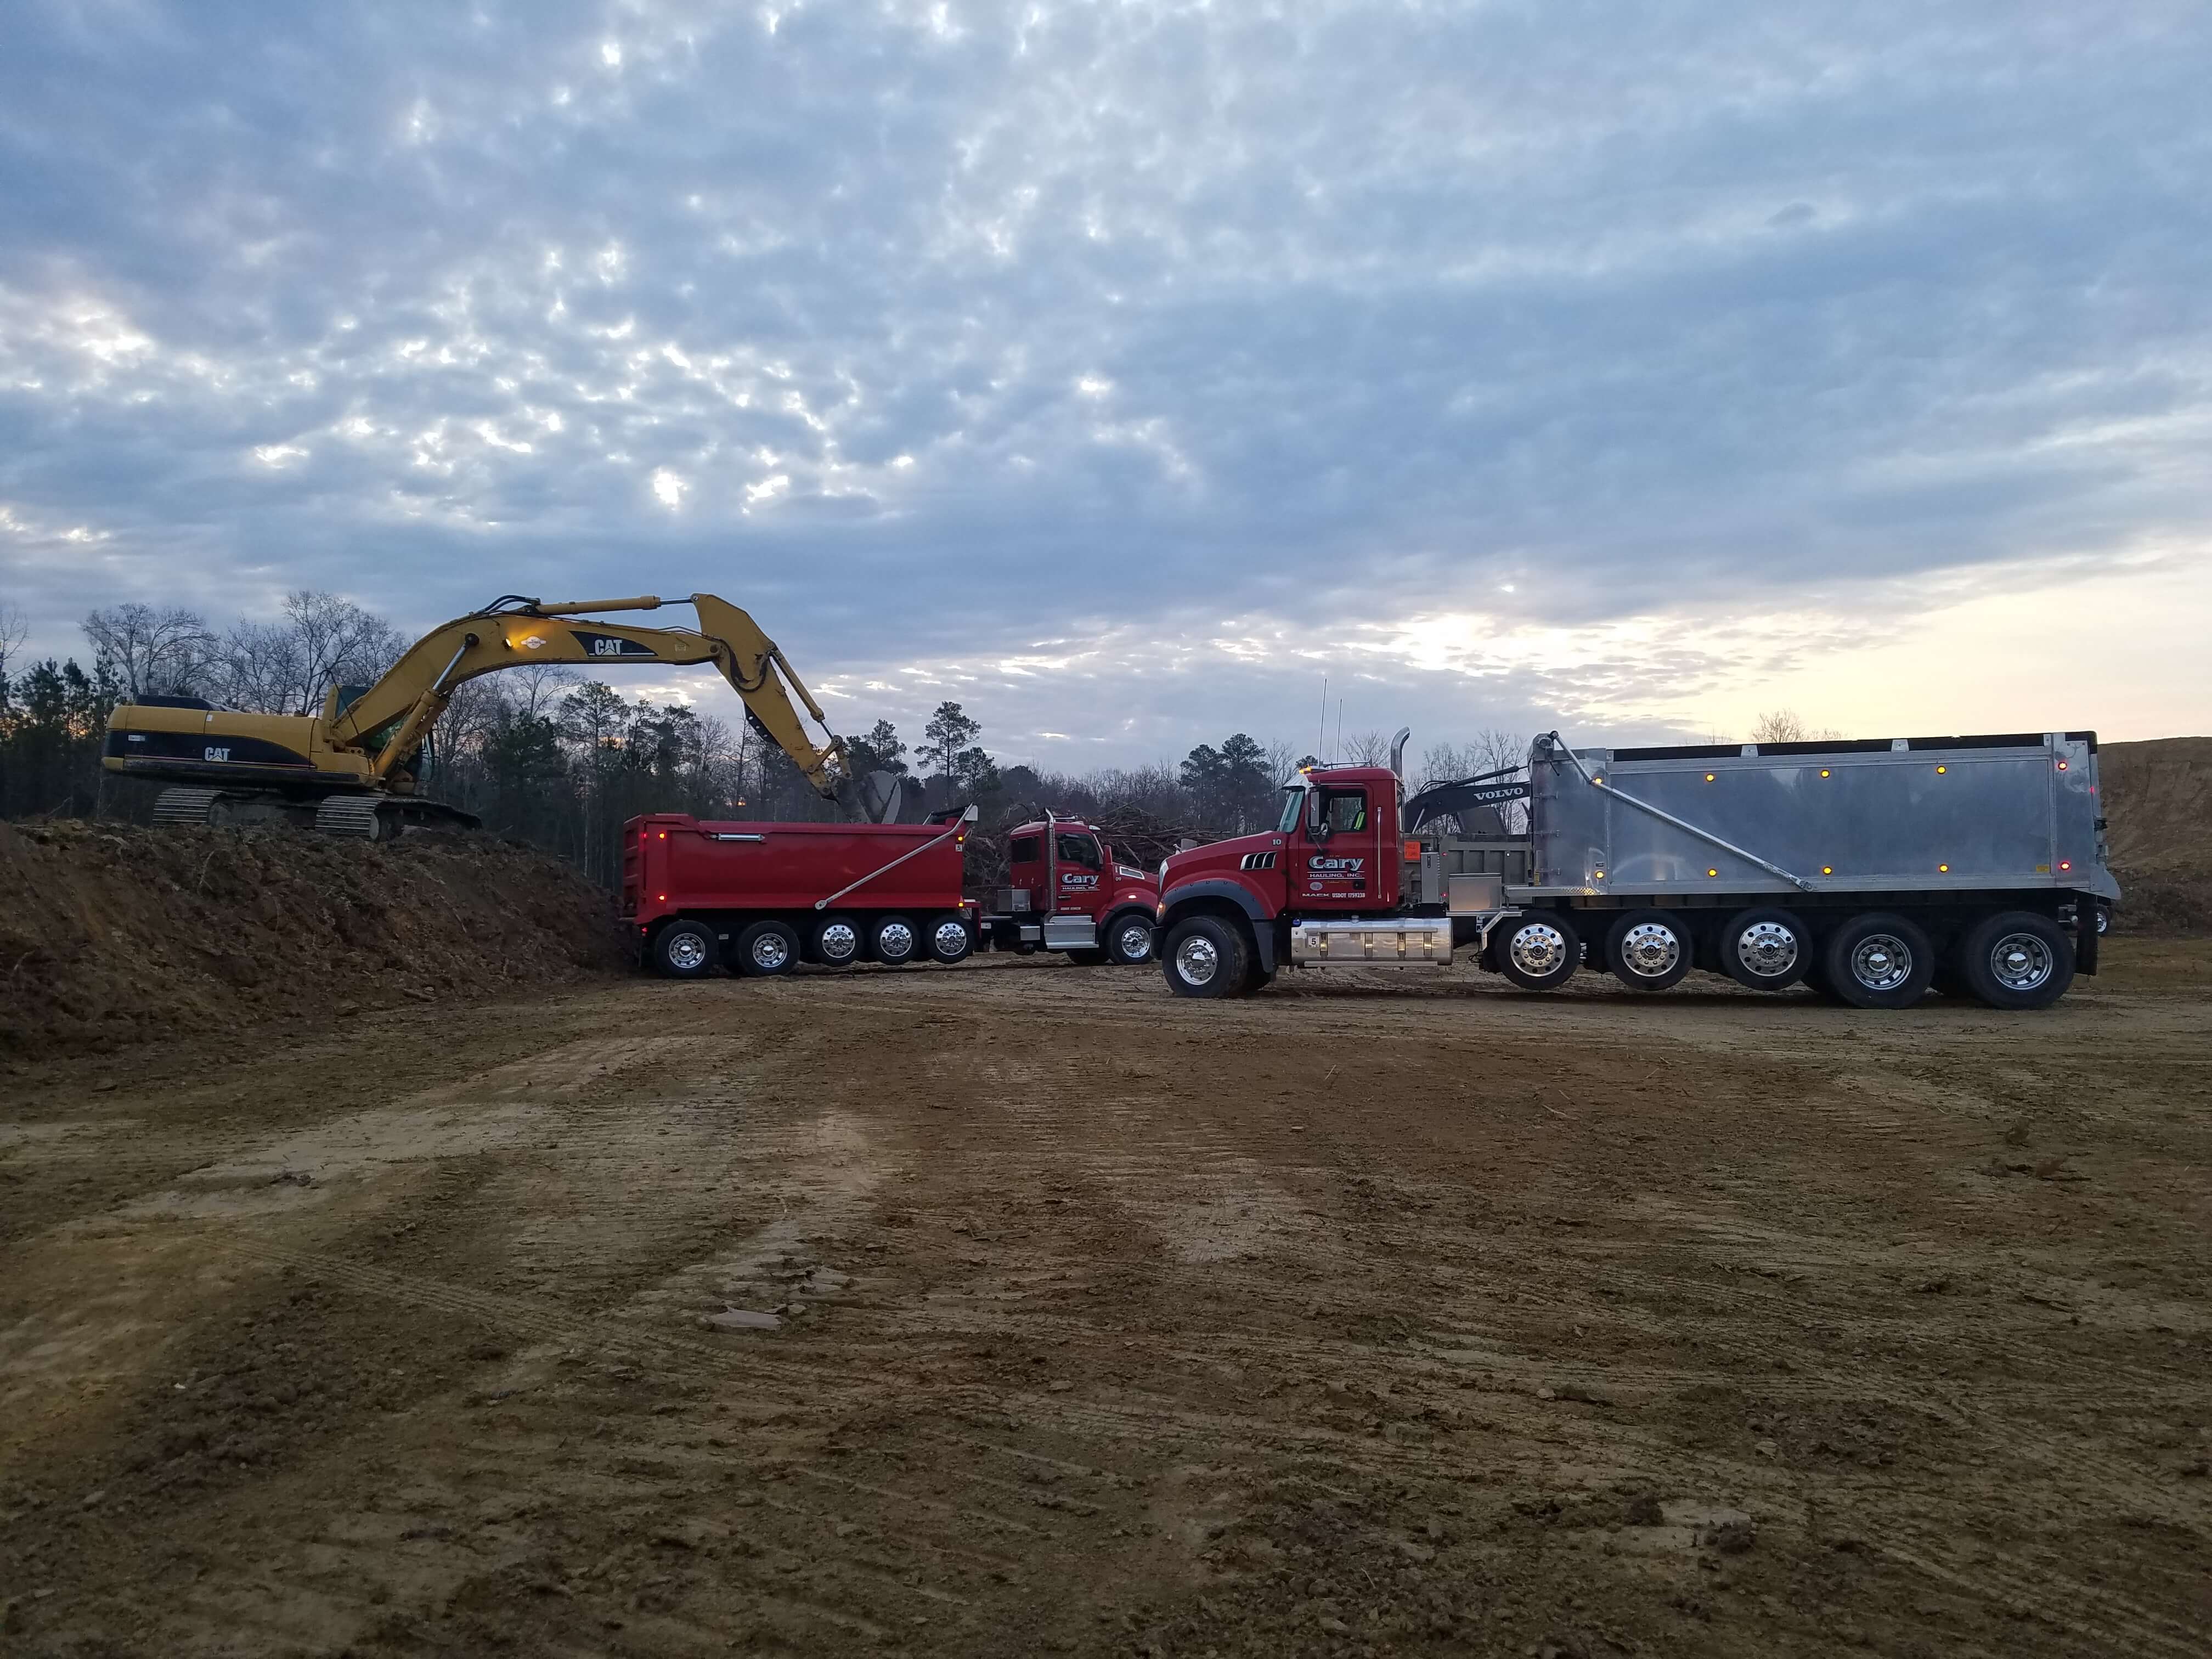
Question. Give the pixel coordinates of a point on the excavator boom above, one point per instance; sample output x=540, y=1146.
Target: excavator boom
x=351, y=765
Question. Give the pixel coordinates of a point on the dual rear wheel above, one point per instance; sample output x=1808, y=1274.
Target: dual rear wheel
x=688, y=948
x=2013, y=960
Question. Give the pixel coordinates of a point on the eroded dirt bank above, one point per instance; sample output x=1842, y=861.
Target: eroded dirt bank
x=111, y=934
x=1019, y=1308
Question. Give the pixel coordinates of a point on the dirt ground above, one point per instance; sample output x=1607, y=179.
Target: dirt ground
x=1019, y=1308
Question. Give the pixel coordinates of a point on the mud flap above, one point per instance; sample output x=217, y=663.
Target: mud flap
x=2086, y=939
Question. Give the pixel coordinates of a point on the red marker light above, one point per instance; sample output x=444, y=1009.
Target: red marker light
x=2062, y=766
x=2066, y=864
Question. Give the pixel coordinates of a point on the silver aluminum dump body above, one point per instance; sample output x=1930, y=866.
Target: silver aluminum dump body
x=1918, y=814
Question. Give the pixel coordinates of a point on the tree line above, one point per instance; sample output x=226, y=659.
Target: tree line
x=546, y=755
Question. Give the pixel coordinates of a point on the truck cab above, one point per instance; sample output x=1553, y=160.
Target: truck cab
x=1066, y=891
x=1333, y=858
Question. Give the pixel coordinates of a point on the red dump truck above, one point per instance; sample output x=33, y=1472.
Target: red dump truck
x=763, y=897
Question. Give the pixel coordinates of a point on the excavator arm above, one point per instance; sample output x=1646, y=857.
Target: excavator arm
x=390, y=719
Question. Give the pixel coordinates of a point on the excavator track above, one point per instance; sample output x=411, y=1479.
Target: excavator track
x=184, y=806
x=356, y=816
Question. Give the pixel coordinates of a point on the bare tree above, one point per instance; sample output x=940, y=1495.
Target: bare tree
x=15, y=629
x=1496, y=750
x=535, y=688
x=1491, y=750
x=1367, y=749
x=1446, y=762
x=257, y=666
x=286, y=666
x=155, y=653
x=337, y=643
x=1784, y=725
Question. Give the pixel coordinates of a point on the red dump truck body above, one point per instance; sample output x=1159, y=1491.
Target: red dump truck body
x=763, y=896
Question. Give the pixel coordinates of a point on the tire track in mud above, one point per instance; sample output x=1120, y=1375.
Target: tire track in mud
x=605, y=1333
x=2014, y=1578
x=2004, y=1577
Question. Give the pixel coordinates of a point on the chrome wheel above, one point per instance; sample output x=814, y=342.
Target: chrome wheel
x=1538, y=949
x=1650, y=949
x=771, y=952
x=2022, y=962
x=1197, y=960
x=839, y=942
x=1135, y=942
x=1767, y=949
x=950, y=939
x=1882, y=962
x=895, y=942
x=687, y=952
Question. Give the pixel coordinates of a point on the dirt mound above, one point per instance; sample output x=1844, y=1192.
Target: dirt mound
x=2157, y=807
x=111, y=933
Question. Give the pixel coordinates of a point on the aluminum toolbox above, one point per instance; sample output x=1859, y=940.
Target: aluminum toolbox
x=1908, y=814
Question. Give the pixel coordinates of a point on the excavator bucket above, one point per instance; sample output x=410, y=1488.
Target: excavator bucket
x=887, y=798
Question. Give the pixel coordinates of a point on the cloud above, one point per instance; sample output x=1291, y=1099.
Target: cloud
x=1509, y=364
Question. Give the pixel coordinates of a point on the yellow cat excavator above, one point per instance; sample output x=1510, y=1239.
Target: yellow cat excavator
x=349, y=770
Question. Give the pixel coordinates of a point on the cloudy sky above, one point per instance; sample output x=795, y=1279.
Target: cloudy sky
x=1122, y=370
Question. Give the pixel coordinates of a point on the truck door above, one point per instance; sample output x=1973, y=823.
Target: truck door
x=1082, y=871
x=1341, y=863
x=1025, y=869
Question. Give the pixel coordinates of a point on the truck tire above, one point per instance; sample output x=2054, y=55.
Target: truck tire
x=1648, y=950
x=949, y=941
x=1129, y=940
x=2016, y=960
x=1765, y=949
x=685, y=950
x=767, y=949
x=1538, y=951
x=1206, y=956
x=893, y=941
x=836, y=942
x=1879, y=960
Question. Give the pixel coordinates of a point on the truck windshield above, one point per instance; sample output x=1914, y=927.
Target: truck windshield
x=1080, y=849
x=1294, y=808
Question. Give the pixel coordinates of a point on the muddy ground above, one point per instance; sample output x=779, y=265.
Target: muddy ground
x=1021, y=1309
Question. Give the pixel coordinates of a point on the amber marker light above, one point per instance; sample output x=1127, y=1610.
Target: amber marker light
x=1827, y=869
x=1942, y=869
x=1942, y=769
x=1709, y=777
x=1824, y=771
x=1712, y=872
